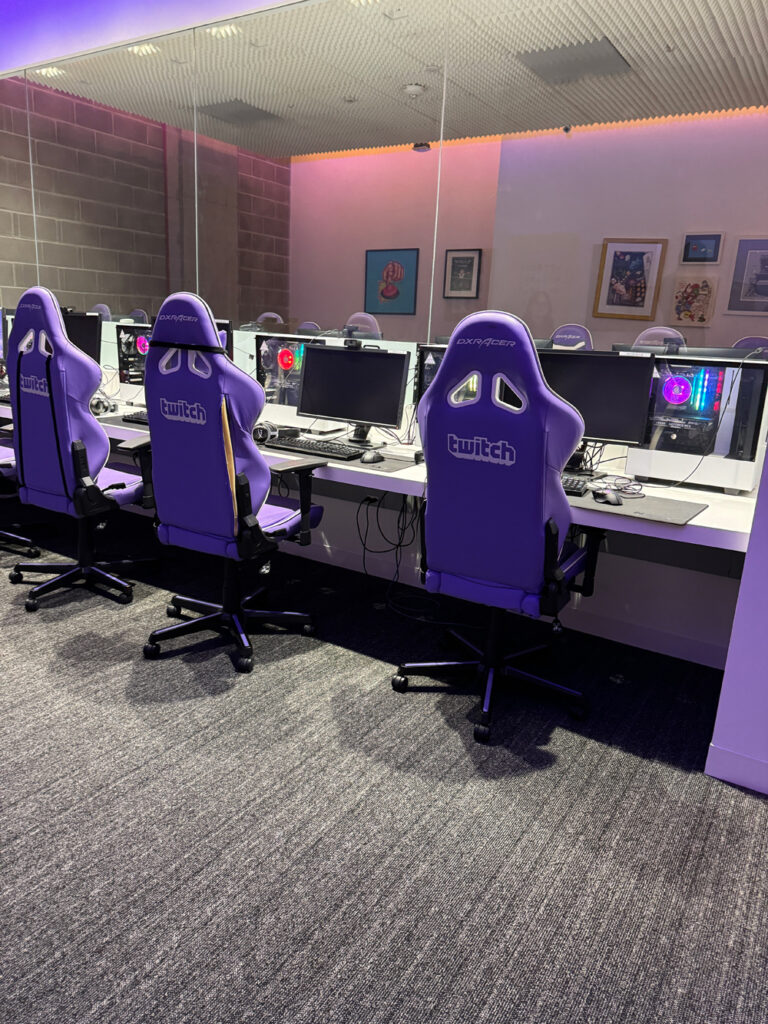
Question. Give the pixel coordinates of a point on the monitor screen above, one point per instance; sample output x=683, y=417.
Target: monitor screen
x=706, y=408
x=353, y=385
x=430, y=357
x=611, y=392
x=132, y=347
x=84, y=330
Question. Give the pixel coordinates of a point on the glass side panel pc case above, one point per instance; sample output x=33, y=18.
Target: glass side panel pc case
x=706, y=424
x=280, y=361
x=132, y=347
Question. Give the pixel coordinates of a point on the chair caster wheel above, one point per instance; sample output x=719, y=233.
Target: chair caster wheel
x=578, y=709
x=308, y=629
x=244, y=664
x=15, y=576
x=151, y=651
x=125, y=598
x=172, y=611
x=31, y=604
x=33, y=552
x=399, y=683
x=482, y=733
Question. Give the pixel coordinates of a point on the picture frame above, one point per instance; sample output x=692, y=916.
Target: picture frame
x=693, y=304
x=461, y=277
x=629, y=278
x=749, y=283
x=702, y=247
x=391, y=277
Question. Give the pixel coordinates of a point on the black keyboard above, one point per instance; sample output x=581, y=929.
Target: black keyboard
x=309, y=446
x=140, y=416
x=575, y=485
x=5, y=396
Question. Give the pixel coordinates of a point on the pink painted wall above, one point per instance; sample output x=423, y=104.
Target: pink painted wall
x=341, y=207
x=560, y=195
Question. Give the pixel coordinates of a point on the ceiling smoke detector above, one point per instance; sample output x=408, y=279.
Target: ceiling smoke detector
x=414, y=89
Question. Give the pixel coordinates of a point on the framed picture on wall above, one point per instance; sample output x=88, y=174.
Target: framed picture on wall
x=629, y=278
x=391, y=276
x=462, y=273
x=694, y=301
x=702, y=247
x=749, y=286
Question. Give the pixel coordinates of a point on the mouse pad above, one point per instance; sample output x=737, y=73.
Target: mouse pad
x=660, y=510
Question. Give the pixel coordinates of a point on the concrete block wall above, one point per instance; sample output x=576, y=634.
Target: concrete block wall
x=99, y=179
x=114, y=212
x=263, y=217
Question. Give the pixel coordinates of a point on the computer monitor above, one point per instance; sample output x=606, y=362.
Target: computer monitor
x=132, y=347
x=706, y=408
x=610, y=392
x=84, y=330
x=429, y=359
x=361, y=386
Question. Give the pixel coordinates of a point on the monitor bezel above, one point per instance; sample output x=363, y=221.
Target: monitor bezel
x=361, y=353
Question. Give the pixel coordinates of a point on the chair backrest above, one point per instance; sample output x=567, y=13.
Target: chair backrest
x=307, y=325
x=139, y=316
x=752, y=342
x=201, y=410
x=103, y=310
x=573, y=336
x=655, y=336
x=269, y=316
x=496, y=439
x=52, y=383
x=367, y=323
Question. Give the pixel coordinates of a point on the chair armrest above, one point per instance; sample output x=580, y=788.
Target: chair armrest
x=594, y=538
x=140, y=450
x=303, y=468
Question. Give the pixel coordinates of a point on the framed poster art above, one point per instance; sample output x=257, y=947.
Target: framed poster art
x=749, y=286
x=629, y=278
x=391, y=276
x=694, y=301
x=702, y=247
x=461, y=279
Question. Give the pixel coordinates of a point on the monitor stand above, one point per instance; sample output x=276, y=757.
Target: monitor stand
x=359, y=437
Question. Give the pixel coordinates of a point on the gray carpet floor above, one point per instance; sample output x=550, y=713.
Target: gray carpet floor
x=184, y=844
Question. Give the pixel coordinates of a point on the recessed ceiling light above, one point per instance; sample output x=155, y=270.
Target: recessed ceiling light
x=224, y=31
x=395, y=13
x=414, y=89
x=349, y=99
x=49, y=72
x=363, y=3
x=144, y=49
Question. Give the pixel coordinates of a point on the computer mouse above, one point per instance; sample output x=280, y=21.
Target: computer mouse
x=608, y=497
x=372, y=456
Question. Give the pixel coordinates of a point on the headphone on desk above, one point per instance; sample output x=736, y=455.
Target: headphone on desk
x=264, y=432
x=101, y=405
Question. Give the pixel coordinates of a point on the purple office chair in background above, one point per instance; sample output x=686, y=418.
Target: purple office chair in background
x=61, y=448
x=496, y=518
x=103, y=310
x=664, y=337
x=139, y=316
x=366, y=323
x=211, y=482
x=755, y=342
x=572, y=336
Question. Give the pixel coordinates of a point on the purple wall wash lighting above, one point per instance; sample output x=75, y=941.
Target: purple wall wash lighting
x=51, y=30
x=739, y=749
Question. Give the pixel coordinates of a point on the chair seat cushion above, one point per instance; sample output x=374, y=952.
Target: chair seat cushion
x=128, y=495
x=282, y=516
x=571, y=563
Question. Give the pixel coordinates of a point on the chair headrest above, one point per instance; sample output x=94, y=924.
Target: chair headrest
x=103, y=310
x=492, y=341
x=39, y=310
x=571, y=336
x=186, y=321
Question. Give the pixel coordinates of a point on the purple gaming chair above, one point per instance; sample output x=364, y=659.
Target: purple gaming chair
x=755, y=342
x=668, y=337
x=364, y=322
x=496, y=440
x=572, y=336
x=61, y=448
x=211, y=482
x=103, y=310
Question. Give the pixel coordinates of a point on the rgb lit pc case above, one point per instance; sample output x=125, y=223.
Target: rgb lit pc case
x=706, y=424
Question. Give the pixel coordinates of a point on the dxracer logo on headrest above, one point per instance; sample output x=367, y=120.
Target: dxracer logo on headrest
x=485, y=342
x=185, y=412
x=29, y=305
x=34, y=385
x=178, y=318
x=481, y=449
